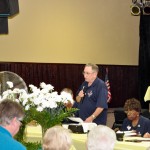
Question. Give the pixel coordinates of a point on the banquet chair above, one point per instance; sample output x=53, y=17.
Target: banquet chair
x=119, y=116
x=145, y=113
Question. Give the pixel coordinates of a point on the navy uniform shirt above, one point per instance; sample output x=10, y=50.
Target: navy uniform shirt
x=95, y=96
x=142, y=127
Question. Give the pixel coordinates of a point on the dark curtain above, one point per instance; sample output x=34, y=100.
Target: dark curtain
x=123, y=79
x=144, y=58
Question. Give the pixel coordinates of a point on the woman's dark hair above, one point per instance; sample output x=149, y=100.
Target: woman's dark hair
x=132, y=104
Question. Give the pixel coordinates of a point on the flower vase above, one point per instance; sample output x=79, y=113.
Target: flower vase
x=43, y=131
x=20, y=135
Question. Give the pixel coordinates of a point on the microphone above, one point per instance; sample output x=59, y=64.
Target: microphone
x=84, y=92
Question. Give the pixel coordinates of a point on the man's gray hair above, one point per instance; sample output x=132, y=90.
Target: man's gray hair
x=94, y=67
x=101, y=138
x=10, y=109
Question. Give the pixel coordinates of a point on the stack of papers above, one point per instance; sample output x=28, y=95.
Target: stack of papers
x=136, y=139
x=86, y=126
x=76, y=119
x=128, y=133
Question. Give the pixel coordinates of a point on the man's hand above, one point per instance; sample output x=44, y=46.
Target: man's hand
x=80, y=96
x=89, y=119
x=81, y=93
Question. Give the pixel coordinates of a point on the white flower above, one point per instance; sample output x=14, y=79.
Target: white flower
x=27, y=107
x=33, y=88
x=10, y=84
x=42, y=85
x=52, y=104
x=41, y=103
x=24, y=102
x=66, y=97
x=44, y=91
x=39, y=98
x=36, y=101
x=49, y=87
x=39, y=108
x=16, y=90
x=23, y=95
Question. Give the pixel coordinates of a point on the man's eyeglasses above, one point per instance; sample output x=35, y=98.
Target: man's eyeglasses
x=87, y=73
x=20, y=121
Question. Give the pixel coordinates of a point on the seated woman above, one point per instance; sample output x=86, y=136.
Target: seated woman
x=134, y=120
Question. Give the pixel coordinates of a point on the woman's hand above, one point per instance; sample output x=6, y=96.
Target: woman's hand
x=146, y=135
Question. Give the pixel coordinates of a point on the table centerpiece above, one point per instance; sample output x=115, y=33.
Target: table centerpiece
x=43, y=105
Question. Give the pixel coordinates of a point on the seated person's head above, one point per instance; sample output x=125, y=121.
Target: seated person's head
x=132, y=107
x=57, y=138
x=69, y=94
x=68, y=90
x=11, y=115
x=101, y=138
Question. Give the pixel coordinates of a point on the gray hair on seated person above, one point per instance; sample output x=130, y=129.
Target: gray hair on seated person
x=101, y=138
x=10, y=109
x=57, y=138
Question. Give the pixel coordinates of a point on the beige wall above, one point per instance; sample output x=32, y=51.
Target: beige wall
x=72, y=31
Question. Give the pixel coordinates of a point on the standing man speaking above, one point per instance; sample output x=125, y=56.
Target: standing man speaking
x=92, y=96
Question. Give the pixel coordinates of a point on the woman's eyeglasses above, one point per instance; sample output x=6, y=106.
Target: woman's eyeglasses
x=131, y=112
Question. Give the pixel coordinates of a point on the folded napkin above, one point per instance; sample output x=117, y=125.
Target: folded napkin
x=127, y=133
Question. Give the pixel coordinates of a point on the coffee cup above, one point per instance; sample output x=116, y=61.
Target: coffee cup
x=120, y=136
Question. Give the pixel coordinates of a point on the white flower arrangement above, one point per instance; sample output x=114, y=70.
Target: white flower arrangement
x=39, y=98
x=42, y=105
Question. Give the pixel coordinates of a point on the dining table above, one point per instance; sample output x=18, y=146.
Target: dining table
x=34, y=134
